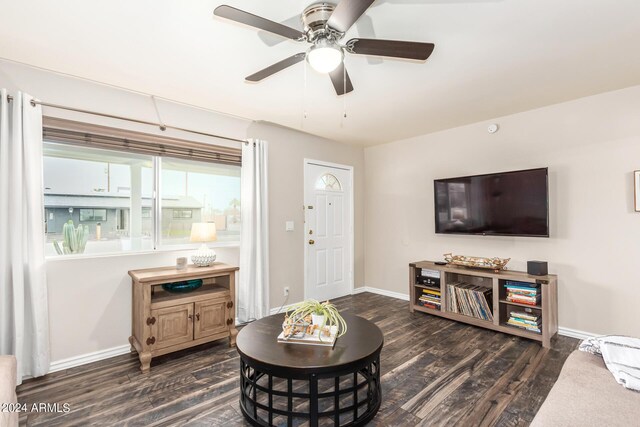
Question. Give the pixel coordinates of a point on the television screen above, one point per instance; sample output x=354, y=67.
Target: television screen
x=501, y=204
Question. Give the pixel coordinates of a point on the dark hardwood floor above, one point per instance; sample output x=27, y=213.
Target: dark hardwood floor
x=434, y=372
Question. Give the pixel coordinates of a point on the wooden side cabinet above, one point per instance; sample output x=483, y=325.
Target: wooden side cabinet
x=164, y=322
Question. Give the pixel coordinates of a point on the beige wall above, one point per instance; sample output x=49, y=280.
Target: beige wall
x=591, y=146
x=287, y=151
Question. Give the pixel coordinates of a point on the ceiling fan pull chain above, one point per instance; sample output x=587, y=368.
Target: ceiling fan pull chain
x=304, y=94
x=344, y=91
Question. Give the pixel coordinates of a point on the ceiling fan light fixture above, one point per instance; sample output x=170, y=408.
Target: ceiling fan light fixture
x=324, y=57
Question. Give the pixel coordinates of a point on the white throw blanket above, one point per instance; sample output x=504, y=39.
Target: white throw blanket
x=620, y=354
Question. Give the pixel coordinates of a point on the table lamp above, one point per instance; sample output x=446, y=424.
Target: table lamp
x=203, y=232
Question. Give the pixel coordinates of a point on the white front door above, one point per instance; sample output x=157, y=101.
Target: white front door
x=328, y=230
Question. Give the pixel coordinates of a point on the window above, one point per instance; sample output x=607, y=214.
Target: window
x=92, y=189
x=328, y=182
x=109, y=196
x=182, y=214
x=93, y=215
x=194, y=191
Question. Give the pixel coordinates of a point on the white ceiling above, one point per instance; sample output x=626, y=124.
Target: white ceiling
x=492, y=58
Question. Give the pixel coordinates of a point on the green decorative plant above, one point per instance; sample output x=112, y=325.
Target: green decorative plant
x=74, y=239
x=312, y=307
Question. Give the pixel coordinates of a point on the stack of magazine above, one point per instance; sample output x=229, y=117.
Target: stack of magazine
x=522, y=293
x=524, y=320
x=470, y=300
x=430, y=298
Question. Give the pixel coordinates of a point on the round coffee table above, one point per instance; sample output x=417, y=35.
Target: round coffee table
x=288, y=384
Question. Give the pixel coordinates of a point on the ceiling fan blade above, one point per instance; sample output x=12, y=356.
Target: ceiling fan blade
x=366, y=28
x=347, y=13
x=391, y=48
x=271, y=39
x=341, y=81
x=277, y=67
x=247, y=18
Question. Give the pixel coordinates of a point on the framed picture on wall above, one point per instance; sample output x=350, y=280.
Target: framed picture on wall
x=636, y=190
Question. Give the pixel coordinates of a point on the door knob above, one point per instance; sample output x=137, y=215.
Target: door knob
x=311, y=241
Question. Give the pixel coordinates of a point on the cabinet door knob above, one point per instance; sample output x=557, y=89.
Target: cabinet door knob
x=230, y=304
x=198, y=317
x=190, y=317
x=312, y=242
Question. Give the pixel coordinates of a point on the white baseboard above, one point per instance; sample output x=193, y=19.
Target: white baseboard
x=392, y=294
x=581, y=335
x=83, y=359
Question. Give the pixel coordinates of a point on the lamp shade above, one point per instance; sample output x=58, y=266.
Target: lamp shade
x=203, y=232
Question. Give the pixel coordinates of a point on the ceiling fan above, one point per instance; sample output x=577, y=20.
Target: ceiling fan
x=325, y=25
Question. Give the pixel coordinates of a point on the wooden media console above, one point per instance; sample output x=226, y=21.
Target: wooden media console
x=546, y=309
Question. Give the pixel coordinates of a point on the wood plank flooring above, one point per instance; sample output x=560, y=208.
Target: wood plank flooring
x=434, y=372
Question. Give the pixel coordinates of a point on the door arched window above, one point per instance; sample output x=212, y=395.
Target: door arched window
x=328, y=182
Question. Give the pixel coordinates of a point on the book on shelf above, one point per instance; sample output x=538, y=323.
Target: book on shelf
x=430, y=298
x=525, y=315
x=470, y=300
x=429, y=304
x=523, y=293
x=524, y=320
x=527, y=301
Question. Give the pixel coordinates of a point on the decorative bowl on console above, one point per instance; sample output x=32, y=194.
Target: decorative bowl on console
x=182, y=287
x=495, y=264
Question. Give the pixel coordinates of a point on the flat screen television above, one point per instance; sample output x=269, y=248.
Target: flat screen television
x=498, y=204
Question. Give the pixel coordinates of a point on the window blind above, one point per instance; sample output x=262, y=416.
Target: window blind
x=89, y=135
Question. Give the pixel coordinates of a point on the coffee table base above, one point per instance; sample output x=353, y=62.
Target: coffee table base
x=347, y=398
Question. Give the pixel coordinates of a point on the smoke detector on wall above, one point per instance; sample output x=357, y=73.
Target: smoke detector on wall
x=493, y=128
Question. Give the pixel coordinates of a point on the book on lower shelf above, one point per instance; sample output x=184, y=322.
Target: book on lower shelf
x=470, y=300
x=523, y=293
x=430, y=298
x=524, y=320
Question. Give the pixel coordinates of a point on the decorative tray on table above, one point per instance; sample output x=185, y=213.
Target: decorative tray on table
x=300, y=330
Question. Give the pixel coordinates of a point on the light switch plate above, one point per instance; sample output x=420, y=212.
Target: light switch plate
x=288, y=226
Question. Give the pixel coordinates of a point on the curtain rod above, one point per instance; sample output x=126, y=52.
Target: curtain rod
x=161, y=126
